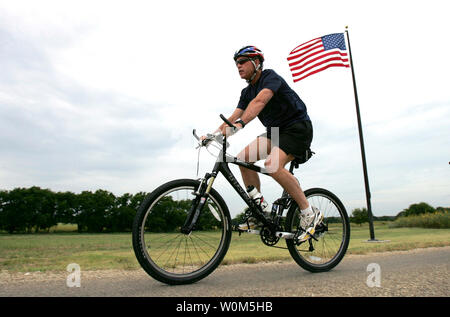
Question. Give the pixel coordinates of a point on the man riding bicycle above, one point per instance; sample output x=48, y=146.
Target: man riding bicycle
x=269, y=97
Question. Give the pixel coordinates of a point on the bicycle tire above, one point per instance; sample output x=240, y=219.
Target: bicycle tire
x=147, y=251
x=332, y=245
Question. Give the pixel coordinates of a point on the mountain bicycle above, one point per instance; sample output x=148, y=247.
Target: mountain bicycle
x=182, y=230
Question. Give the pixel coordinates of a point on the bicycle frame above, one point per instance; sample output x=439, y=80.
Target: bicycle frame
x=221, y=166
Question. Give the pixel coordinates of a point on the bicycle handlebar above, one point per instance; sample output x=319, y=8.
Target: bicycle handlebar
x=209, y=137
x=226, y=121
x=195, y=134
x=214, y=136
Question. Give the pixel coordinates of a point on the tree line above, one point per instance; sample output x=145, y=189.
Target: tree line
x=36, y=209
x=360, y=215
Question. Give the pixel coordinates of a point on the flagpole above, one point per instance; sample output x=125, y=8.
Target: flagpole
x=361, y=141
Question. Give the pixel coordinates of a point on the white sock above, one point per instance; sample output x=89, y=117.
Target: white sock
x=308, y=211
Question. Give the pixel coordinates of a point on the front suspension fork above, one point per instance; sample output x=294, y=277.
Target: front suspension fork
x=198, y=203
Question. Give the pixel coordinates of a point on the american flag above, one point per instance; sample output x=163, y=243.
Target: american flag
x=318, y=54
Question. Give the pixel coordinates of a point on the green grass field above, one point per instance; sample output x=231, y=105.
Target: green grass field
x=54, y=251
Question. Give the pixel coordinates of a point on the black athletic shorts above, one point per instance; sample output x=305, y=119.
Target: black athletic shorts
x=295, y=139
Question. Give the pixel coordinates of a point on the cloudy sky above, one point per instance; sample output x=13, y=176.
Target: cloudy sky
x=105, y=94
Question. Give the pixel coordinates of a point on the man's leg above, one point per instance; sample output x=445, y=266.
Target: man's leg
x=310, y=216
x=257, y=150
x=275, y=163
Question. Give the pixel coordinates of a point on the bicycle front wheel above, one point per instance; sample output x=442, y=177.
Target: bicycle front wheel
x=333, y=234
x=166, y=253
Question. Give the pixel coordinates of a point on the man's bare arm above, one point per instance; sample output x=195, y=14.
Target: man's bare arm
x=257, y=105
x=253, y=109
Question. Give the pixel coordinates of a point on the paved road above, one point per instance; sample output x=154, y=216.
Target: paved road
x=421, y=272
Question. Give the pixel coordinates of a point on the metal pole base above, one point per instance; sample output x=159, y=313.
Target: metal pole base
x=377, y=241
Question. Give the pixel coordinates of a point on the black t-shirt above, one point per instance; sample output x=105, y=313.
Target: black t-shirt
x=283, y=109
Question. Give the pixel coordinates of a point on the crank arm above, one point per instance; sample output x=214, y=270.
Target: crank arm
x=284, y=235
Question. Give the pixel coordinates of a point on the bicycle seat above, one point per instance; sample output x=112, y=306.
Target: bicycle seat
x=302, y=159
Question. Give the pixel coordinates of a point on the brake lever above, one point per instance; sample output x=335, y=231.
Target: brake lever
x=218, y=137
x=203, y=142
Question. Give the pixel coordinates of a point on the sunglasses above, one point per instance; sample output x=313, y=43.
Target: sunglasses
x=242, y=61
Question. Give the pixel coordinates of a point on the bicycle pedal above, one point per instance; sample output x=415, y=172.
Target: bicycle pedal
x=313, y=236
x=251, y=231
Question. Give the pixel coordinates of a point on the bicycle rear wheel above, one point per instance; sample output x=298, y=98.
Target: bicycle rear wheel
x=333, y=234
x=163, y=251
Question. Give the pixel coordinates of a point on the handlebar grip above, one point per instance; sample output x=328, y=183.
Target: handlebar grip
x=226, y=121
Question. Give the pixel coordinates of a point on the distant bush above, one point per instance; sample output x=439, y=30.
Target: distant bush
x=359, y=216
x=436, y=220
x=417, y=209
